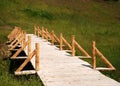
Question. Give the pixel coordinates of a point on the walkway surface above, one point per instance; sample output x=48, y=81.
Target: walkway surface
x=59, y=68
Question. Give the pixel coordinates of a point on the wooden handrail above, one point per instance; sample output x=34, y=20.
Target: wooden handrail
x=37, y=59
x=95, y=52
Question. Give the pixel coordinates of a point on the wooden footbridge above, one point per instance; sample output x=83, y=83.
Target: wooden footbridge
x=53, y=64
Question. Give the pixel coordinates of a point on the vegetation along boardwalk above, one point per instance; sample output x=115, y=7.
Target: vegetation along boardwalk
x=56, y=67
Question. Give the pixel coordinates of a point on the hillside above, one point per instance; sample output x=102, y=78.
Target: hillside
x=87, y=20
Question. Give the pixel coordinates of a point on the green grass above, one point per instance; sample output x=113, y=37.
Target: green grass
x=88, y=21
x=7, y=78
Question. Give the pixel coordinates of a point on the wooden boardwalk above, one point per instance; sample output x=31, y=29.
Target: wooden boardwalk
x=59, y=68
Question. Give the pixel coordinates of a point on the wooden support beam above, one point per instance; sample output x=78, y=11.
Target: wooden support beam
x=49, y=35
x=37, y=57
x=73, y=45
x=66, y=43
x=104, y=59
x=93, y=55
x=82, y=50
x=56, y=38
x=26, y=61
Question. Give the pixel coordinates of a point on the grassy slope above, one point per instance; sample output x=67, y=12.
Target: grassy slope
x=87, y=20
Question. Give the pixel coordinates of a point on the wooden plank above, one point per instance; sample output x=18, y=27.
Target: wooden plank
x=103, y=68
x=84, y=57
x=20, y=57
x=25, y=72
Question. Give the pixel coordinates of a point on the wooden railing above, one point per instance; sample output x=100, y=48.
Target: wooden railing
x=30, y=56
x=95, y=52
x=75, y=44
x=61, y=40
x=18, y=38
x=65, y=42
x=14, y=33
x=72, y=47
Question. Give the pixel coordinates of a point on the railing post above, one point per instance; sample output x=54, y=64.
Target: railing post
x=37, y=58
x=35, y=30
x=24, y=40
x=38, y=32
x=61, y=42
x=53, y=40
x=93, y=55
x=46, y=34
x=42, y=32
x=73, y=45
x=23, y=34
x=29, y=45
